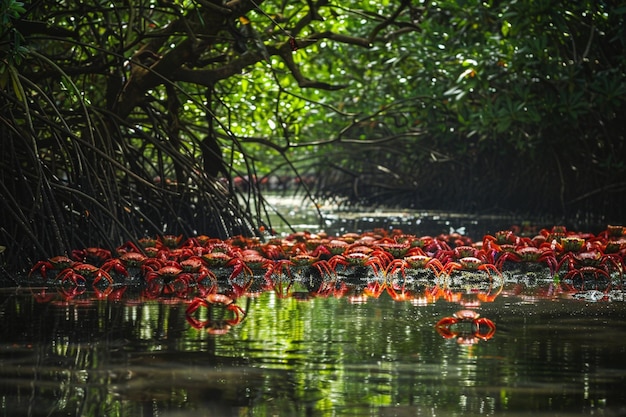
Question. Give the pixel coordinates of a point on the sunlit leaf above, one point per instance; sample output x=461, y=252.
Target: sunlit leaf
x=506, y=28
x=468, y=73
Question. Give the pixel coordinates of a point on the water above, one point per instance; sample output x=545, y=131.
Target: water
x=303, y=214
x=554, y=355
x=306, y=352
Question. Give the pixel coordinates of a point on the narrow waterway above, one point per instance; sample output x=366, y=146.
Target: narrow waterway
x=315, y=342
x=323, y=356
x=336, y=218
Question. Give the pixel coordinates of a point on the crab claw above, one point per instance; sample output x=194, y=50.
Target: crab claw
x=238, y=314
x=443, y=327
x=484, y=323
x=208, y=302
x=191, y=309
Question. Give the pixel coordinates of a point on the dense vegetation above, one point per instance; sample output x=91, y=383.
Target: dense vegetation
x=127, y=119
x=487, y=106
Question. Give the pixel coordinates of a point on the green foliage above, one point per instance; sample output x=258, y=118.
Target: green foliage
x=12, y=50
x=486, y=91
x=460, y=105
x=9, y=11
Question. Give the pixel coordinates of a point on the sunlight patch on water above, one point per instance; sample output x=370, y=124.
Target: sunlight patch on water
x=335, y=219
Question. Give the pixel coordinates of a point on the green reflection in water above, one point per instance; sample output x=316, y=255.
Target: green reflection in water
x=324, y=356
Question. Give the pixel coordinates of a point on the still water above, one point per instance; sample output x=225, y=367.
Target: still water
x=554, y=351
x=322, y=356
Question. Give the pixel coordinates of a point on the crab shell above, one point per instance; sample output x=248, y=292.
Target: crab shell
x=466, y=315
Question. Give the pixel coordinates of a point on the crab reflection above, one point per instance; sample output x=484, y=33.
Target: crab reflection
x=466, y=326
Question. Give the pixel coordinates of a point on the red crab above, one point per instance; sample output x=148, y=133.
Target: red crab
x=374, y=288
x=79, y=273
x=471, y=264
x=167, y=280
x=216, y=259
x=530, y=254
x=91, y=255
x=211, y=302
x=129, y=260
x=466, y=326
x=361, y=259
x=56, y=263
x=585, y=271
x=308, y=261
x=250, y=262
x=415, y=263
x=169, y=241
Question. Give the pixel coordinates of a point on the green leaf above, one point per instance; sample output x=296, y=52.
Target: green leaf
x=17, y=85
x=506, y=28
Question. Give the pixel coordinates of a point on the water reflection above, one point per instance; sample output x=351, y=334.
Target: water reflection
x=319, y=354
x=466, y=327
x=313, y=333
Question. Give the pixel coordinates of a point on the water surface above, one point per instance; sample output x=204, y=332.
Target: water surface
x=348, y=356
x=307, y=352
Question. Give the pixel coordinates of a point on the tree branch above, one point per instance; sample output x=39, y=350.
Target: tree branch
x=337, y=37
x=390, y=20
x=210, y=23
x=208, y=77
x=304, y=82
